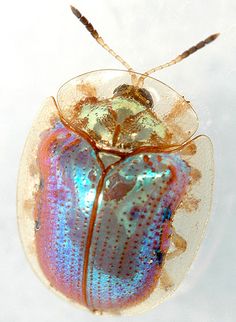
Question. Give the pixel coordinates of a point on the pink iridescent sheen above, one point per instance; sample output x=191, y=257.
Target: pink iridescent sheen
x=132, y=227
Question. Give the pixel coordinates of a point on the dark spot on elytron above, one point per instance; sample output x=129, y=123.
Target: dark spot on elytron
x=159, y=256
x=134, y=213
x=41, y=184
x=166, y=214
x=118, y=188
x=37, y=225
x=141, y=95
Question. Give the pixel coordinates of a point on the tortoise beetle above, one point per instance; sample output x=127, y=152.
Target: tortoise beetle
x=114, y=193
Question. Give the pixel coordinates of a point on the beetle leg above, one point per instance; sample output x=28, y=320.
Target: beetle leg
x=195, y=175
x=179, y=243
x=33, y=169
x=189, y=203
x=180, y=247
x=165, y=280
x=96, y=312
x=29, y=204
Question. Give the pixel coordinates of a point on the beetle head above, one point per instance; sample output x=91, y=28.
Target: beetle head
x=141, y=95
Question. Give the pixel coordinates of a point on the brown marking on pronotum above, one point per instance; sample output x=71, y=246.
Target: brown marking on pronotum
x=87, y=137
x=88, y=100
x=179, y=108
x=178, y=132
x=116, y=135
x=123, y=155
x=87, y=89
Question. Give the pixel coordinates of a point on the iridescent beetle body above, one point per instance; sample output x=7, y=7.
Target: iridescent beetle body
x=134, y=201
x=109, y=167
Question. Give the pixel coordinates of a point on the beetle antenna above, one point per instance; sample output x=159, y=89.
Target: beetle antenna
x=179, y=58
x=101, y=42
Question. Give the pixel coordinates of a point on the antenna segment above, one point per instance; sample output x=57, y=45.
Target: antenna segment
x=135, y=80
x=99, y=39
x=179, y=58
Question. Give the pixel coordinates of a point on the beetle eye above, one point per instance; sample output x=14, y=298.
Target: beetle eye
x=121, y=89
x=146, y=94
x=139, y=94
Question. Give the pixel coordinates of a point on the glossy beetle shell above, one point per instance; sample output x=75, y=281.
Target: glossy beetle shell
x=96, y=217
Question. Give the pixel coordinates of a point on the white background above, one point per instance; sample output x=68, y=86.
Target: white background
x=42, y=46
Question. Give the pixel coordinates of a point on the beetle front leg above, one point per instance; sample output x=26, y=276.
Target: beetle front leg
x=179, y=243
x=166, y=282
x=180, y=247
